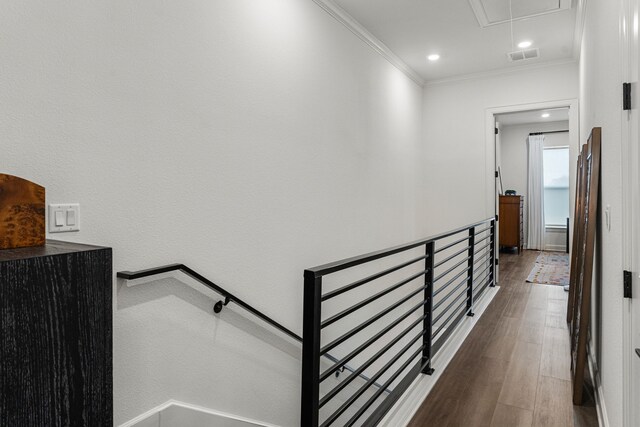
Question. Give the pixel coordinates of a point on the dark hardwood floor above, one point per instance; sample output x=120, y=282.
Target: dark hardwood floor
x=514, y=367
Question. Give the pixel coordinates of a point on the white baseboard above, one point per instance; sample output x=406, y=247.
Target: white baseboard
x=174, y=413
x=406, y=407
x=601, y=409
x=555, y=248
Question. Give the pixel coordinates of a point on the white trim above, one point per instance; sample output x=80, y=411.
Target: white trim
x=499, y=72
x=150, y=413
x=341, y=15
x=411, y=400
x=555, y=228
x=601, y=409
x=483, y=19
x=158, y=409
x=629, y=59
x=555, y=248
x=574, y=137
x=579, y=30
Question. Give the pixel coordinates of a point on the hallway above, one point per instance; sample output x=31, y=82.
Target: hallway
x=514, y=367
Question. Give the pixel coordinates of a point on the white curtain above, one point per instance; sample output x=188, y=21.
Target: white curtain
x=535, y=194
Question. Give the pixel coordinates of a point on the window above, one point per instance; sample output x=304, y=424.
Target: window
x=556, y=186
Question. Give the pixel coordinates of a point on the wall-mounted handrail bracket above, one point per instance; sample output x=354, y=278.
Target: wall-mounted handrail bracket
x=217, y=308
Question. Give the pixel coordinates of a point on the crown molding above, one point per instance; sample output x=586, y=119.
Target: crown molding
x=500, y=72
x=580, y=20
x=341, y=15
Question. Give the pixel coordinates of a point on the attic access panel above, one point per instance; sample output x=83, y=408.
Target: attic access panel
x=493, y=12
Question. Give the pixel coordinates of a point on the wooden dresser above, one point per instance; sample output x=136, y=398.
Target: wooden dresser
x=511, y=222
x=55, y=336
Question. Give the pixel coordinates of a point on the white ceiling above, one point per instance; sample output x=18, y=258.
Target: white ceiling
x=534, y=116
x=413, y=29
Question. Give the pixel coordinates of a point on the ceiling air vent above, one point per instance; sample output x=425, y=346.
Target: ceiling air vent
x=521, y=55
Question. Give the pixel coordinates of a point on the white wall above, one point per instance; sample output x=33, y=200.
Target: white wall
x=459, y=163
x=247, y=139
x=601, y=105
x=513, y=145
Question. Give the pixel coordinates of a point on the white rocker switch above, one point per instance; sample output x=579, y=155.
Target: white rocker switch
x=71, y=217
x=64, y=217
x=59, y=218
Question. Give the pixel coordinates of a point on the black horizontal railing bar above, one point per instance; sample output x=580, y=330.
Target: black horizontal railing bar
x=446, y=310
x=478, y=275
x=457, y=242
x=375, y=396
x=440, y=276
x=361, y=282
x=484, y=247
x=446, y=297
x=443, y=287
x=477, y=232
x=453, y=313
x=480, y=285
x=437, y=345
x=132, y=275
x=326, y=374
x=338, y=388
x=141, y=274
x=378, y=414
x=485, y=286
x=363, y=325
x=483, y=239
x=371, y=299
x=480, y=260
x=333, y=417
x=450, y=257
x=479, y=263
x=332, y=267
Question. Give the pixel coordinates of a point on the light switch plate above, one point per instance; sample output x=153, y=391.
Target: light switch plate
x=67, y=216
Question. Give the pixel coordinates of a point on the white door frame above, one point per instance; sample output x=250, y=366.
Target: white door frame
x=574, y=147
x=630, y=134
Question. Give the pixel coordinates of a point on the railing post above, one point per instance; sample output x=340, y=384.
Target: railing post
x=311, y=350
x=472, y=240
x=493, y=253
x=427, y=323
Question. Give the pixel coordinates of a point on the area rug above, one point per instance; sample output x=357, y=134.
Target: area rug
x=551, y=268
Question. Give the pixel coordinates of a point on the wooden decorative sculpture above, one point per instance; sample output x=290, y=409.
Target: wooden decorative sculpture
x=582, y=272
x=21, y=213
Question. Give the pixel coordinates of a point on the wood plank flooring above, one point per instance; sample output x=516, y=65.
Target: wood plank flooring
x=514, y=367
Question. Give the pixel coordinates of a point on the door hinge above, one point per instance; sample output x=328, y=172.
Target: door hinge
x=496, y=218
x=497, y=259
x=497, y=174
x=627, y=284
x=626, y=96
x=496, y=129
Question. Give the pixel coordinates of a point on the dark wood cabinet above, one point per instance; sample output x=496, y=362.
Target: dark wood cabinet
x=56, y=336
x=511, y=222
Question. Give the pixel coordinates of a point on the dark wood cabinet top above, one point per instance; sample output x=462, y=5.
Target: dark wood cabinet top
x=52, y=247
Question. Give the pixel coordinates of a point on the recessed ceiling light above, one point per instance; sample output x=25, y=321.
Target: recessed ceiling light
x=524, y=44
x=545, y=115
x=433, y=57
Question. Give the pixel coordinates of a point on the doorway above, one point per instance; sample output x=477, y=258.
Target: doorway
x=516, y=130
x=493, y=141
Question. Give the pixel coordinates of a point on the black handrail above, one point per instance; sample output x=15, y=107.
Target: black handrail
x=332, y=267
x=228, y=297
x=467, y=269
